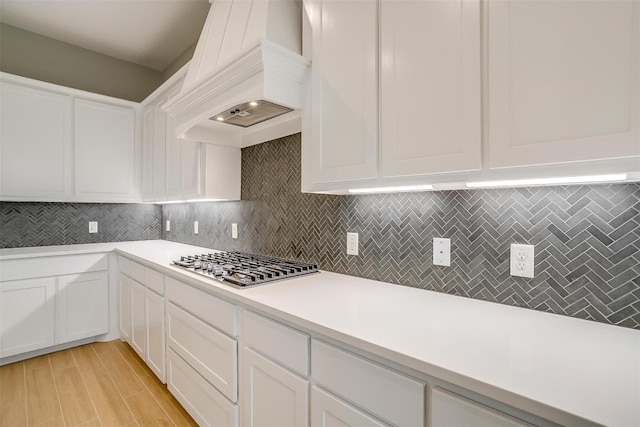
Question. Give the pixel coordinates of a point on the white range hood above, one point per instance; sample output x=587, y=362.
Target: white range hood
x=246, y=68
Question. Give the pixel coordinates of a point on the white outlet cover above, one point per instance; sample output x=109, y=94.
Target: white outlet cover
x=195, y=227
x=93, y=227
x=234, y=231
x=442, y=252
x=522, y=260
x=168, y=225
x=352, y=243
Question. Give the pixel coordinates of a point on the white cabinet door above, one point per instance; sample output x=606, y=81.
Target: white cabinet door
x=27, y=315
x=173, y=165
x=138, y=319
x=105, y=152
x=190, y=169
x=36, y=145
x=148, y=115
x=154, y=305
x=429, y=87
x=564, y=81
x=449, y=410
x=329, y=411
x=159, y=153
x=82, y=303
x=344, y=79
x=273, y=396
x=124, y=307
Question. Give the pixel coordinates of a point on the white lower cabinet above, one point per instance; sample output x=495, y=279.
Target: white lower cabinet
x=203, y=402
x=328, y=410
x=138, y=319
x=124, y=306
x=82, y=309
x=27, y=315
x=450, y=410
x=272, y=396
x=154, y=322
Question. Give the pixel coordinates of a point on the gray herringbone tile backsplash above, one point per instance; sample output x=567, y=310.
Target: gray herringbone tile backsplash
x=42, y=224
x=587, y=237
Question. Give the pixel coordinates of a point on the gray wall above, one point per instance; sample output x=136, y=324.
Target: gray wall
x=37, y=57
x=42, y=224
x=587, y=238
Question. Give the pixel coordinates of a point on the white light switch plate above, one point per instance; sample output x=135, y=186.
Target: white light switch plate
x=234, y=231
x=168, y=225
x=93, y=227
x=195, y=227
x=442, y=252
x=522, y=260
x=352, y=243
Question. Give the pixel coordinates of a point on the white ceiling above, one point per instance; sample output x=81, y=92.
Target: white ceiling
x=152, y=33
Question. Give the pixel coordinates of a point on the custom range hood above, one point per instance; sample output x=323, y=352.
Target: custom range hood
x=246, y=82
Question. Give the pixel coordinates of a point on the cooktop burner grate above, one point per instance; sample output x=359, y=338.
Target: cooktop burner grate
x=243, y=269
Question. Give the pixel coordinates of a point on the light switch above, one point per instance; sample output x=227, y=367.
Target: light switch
x=195, y=227
x=168, y=225
x=234, y=231
x=442, y=252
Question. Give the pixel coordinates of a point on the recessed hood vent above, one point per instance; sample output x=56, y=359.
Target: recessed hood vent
x=249, y=51
x=250, y=113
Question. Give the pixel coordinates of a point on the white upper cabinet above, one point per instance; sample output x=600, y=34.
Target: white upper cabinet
x=36, y=140
x=105, y=152
x=430, y=119
x=343, y=136
x=60, y=144
x=564, y=81
x=395, y=92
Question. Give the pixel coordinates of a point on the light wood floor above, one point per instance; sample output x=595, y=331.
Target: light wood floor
x=98, y=384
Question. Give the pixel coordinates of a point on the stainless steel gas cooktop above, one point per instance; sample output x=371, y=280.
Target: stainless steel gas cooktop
x=243, y=269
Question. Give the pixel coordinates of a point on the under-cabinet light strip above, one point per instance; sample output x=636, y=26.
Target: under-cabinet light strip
x=391, y=189
x=549, y=181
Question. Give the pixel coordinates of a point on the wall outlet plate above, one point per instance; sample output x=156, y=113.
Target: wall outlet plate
x=352, y=243
x=522, y=260
x=442, y=252
x=234, y=231
x=93, y=227
x=195, y=227
x=168, y=225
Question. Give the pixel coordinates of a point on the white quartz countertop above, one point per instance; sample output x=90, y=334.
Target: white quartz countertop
x=542, y=363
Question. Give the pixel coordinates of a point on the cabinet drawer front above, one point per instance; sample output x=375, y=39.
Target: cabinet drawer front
x=211, y=353
x=29, y=268
x=154, y=280
x=201, y=400
x=392, y=396
x=124, y=265
x=136, y=272
x=280, y=342
x=328, y=410
x=448, y=409
x=212, y=310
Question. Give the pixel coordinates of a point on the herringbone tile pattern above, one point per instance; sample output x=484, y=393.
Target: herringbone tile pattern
x=42, y=224
x=587, y=237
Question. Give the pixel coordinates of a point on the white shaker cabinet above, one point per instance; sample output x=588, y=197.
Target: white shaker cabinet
x=341, y=134
x=450, y=410
x=82, y=309
x=105, y=152
x=273, y=396
x=329, y=411
x=36, y=144
x=124, y=306
x=154, y=321
x=138, y=319
x=563, y=81
x=430, y=118
x=27, y=315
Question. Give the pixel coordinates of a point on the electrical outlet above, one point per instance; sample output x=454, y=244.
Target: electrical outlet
x=195, y=227
x=93, y=227
x=522, y=260
x=234, y=231
x=352, y=243
x=168, y=225
x=442, y=252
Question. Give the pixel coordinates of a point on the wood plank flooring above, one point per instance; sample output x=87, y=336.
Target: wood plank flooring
x=98, y=384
